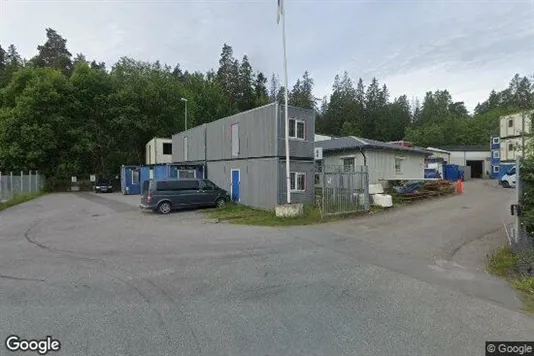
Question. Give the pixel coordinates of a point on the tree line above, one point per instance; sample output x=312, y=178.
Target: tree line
x=64, y=115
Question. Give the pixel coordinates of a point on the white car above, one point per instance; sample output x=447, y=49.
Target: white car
x=508, y=180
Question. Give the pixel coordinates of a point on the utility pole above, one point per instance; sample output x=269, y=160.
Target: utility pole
x=185, y=101
x=281, y=13
x=523, y=134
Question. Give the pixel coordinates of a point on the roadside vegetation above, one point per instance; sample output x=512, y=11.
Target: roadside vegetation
x=19, y=199
x=517, y=269
x=244, y=215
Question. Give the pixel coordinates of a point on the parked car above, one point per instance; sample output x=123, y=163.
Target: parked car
x=163, y=196
x=508, y=179
x=103, y=185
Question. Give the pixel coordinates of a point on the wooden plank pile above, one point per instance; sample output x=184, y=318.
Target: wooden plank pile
x=427, y=190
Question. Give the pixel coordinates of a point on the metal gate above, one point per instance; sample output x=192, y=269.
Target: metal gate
x=343, y=190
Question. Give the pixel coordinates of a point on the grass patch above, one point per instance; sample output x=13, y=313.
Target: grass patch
x=19, y=199
x=504, y=263
x=244, y=215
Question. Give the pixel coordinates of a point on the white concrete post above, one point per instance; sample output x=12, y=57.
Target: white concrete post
x=30, y=180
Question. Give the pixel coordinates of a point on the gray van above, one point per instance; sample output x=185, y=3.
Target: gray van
x=164, y=196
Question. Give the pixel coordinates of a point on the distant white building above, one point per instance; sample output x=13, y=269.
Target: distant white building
x=439, y=153
x=322, y=137
x=511, y=127
x=158, y=150
x=478, y=157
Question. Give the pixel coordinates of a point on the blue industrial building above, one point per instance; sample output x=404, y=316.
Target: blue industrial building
x=495, y=148
x=132, y=177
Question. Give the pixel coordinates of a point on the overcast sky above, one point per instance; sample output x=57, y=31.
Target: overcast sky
x=468, y=47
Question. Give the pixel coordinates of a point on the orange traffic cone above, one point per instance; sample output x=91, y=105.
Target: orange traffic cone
x=460, y=186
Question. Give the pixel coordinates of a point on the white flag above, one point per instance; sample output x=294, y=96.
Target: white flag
x=280, y=11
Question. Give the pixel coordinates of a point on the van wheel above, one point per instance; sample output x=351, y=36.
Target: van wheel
x=219, y=203
x=505, y=184
x=164, y=208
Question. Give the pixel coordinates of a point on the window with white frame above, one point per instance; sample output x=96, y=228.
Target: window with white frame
x=348, y=164
x=186, y=149
x=398, y=165
x=495, y=154
x=510, y=122
x=496, y=140
x=235, y=140
x=297, y=181
x=136, y=176
x=496, y=169
x=297, y=129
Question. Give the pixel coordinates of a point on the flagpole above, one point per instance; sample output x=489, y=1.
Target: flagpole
x=286, y=113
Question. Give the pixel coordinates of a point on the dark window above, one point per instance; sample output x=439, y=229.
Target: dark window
x=208, y=185
x=291, y=127
x=135, y=176
x=510, y=147
x=167, y=148
x=300, y=129
x=319, y=165
x=178, y=185
x=103, y=182
x=348, y=164
x=297, y=181
x=511, y=123
x=296, y=129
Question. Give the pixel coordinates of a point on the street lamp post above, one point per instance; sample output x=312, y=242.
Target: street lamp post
x=185, y=101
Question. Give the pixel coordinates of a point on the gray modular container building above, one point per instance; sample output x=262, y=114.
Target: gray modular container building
x=245, y=154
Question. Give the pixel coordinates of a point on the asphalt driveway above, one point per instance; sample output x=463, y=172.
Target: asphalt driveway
x=105, y=279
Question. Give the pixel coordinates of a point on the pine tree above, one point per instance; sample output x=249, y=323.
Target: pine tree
x=228, y=76
x=245, y=90
x=274, y=88
x=54, y=53
x=261, y=96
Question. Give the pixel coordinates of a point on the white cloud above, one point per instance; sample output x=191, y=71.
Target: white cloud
x=466, y=47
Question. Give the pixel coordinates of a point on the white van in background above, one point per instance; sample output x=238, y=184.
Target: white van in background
x=508, y=179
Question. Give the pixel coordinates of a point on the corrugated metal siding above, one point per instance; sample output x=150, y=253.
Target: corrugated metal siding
x=257, y=132
x=297, y=148
x=381, y=163
x=259, y=179
x=196, y=141
x=306, y=197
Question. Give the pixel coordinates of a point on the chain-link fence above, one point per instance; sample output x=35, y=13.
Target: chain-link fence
x=14, y=183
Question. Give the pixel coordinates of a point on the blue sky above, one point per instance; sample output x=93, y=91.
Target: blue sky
x=467, y=47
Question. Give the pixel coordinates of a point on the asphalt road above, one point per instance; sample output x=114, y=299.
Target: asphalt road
x=105, y=279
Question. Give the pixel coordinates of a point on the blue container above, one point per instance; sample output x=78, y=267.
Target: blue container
x=452, y=172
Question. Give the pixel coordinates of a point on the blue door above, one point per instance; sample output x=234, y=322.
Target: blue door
x=235, y=184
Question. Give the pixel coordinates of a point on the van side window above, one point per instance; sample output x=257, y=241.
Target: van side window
x=178, y=185
x=207, y=185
